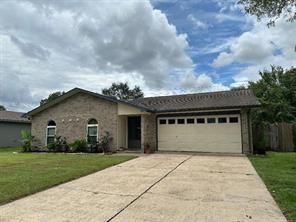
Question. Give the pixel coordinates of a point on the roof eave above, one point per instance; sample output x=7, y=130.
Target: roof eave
x=75, y=91
x=207, y=108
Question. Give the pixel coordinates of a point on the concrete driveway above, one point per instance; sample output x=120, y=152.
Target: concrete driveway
x=159, y=187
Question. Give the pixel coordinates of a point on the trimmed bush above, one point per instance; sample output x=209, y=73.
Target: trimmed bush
x=104, y=143
x=59, y=145
x=79, y=146
x=26, y=140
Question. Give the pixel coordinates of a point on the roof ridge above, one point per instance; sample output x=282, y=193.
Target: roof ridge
x=199, y=94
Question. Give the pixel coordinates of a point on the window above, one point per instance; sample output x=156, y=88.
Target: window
x=162, y=121
x=190, y=121
x=233, y=119
x=200, y=120
x=211, y=120
x=172, y=121
x=50, y=132
x=92, y=131
x=222, y=120
x=181, y=121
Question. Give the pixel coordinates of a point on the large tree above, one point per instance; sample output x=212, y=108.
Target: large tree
x=2, y=108
x=51, y=97
x=123, y=91
x=271, y=9
x=276, y=90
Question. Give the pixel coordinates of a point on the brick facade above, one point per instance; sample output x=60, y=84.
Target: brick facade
x=148, y=131
x=246, y=132
x=72, y=114
x=71, y=117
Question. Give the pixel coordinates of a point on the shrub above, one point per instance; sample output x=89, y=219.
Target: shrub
x=59, y=145
x=104, y=143
x=26, y=140
x=79, y=146
x=95, y=147
x=294, y=136
x=260, y=142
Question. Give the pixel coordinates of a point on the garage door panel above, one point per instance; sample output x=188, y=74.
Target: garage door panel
x=215, y=137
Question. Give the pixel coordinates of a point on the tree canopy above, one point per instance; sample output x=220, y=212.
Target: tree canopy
x=271, y=9
x=276, y=90
x=2, y=108
x=51, y=97
x=123, y=91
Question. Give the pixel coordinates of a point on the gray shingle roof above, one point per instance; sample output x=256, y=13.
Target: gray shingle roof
x=9, y=116
x=200, y=101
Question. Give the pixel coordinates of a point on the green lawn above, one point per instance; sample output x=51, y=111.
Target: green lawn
x=278, y=171
x=26, y=173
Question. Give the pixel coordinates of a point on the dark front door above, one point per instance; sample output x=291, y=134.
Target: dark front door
x=134, y=132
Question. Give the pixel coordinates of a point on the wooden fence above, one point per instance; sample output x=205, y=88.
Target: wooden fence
x=278, y=137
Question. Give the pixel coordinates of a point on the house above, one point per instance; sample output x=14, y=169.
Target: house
x=202, y=122
x=11, y=125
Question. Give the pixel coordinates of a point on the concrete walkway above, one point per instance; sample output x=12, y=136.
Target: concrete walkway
x=159, y=187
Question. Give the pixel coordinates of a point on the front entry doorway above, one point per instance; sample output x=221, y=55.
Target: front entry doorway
x=134, y=132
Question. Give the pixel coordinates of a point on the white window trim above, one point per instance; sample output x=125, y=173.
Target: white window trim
x=92, y=125
x=50, y=127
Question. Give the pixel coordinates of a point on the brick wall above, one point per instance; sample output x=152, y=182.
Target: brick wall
x=246, y=132
x=148, y=131
x=71, y=117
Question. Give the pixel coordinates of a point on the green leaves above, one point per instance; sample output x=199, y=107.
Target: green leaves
x=51, y=97
x=122, y=91
x=276, y=91
x=271, y=9
x=26, y=140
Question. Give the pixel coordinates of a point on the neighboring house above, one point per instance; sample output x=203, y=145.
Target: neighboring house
x=201, y=122
x=11, y=125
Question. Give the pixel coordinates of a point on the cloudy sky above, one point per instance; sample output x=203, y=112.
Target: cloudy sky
x=165, y=47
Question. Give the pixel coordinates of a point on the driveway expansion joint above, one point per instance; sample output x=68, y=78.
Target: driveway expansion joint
x=145, y=191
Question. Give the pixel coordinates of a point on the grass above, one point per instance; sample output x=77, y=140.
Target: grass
x=278, y=171
x=22, y=174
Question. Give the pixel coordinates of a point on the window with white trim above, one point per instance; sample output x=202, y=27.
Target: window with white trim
x=92, y=131
x=50, y=132
x=222, y=120
x=233, y=119
x=190, y=121
x=171, y=121
x=211, y=120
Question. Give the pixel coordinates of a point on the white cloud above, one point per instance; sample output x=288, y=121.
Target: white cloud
x=248, y=48
x=259, y=48
x=56, y=45
x=201, y=83
x=198, y=24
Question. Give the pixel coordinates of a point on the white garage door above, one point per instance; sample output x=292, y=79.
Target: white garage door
x=219, y=133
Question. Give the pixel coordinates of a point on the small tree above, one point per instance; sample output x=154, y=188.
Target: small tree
x=122, y=91
x=104, y=143
x=51, y=97
x=26, y=140
x=276, y=90
x=2, y=108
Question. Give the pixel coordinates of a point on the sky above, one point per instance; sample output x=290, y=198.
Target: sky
x=164, y=46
